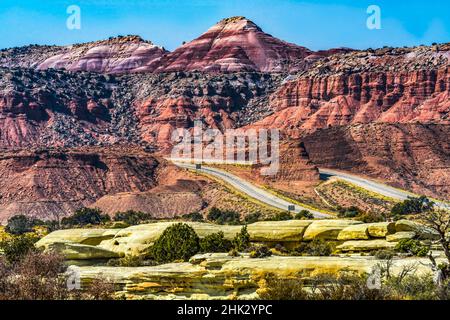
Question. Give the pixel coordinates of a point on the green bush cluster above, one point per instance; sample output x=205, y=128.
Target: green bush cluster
x=17, y=247
x=193, y=216
x=317, y=248
x=21, y=224
x=350, y=212
x=242, y=240
x=282, y=216
x=412, y=246
x=224, y=216
x=86, y=216
x=252, y=217
x=177, y=242
x=215, y=242
x=304, y=214
x=412, y=206
x=132, y=218
x=260, y=252
x=181, y=242
x=384, y=254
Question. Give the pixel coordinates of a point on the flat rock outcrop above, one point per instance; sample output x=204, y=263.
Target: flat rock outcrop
x=327, y=229
x=75, y=251
x=218, y=276
x=136, y=240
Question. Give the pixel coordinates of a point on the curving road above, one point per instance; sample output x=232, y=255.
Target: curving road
x=375, y=186
x=250, y=189
x=277, y=202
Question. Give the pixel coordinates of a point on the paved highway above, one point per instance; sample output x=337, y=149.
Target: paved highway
x=375, y=186
x=250, y=189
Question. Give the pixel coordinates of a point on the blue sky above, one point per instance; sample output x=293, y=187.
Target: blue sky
x=314, y=24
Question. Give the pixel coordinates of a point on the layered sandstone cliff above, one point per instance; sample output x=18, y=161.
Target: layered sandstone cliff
x=51, y=184
x=387, y=85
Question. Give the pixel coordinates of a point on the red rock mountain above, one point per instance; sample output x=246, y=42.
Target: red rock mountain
x=234, y=44
x=383, y=113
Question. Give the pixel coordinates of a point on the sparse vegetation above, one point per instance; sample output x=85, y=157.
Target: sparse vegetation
x=282, y=216
x=127, y=261
x=132, y=218
x=85, y=216
x=252, y=217
x=260, y=252
x=406, y=286
x=40, y=276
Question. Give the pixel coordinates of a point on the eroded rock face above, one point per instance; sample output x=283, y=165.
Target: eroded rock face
x=368, y=245
x=410, y=156
x=219, y=276
x=387, y=85
x=52, y=184
x=327, y=229
x=75, y=251
x=92, y=237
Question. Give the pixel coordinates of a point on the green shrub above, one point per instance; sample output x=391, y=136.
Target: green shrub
x=85, y=216
x=370, y=217
x=351, y=212
x=127, y=261
x=317, y=248
x=384, y=254
x=304, y=214
x=252, y=217
x=21, y=224
x=177, y=242
x=282, y=216
x=194, y=216
x=412, y=206
x=215, y=242
x=260, y=252
x=16, y=248
x=224, y=216
x=242, y=240
x=412, y=246
x=132, y=218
